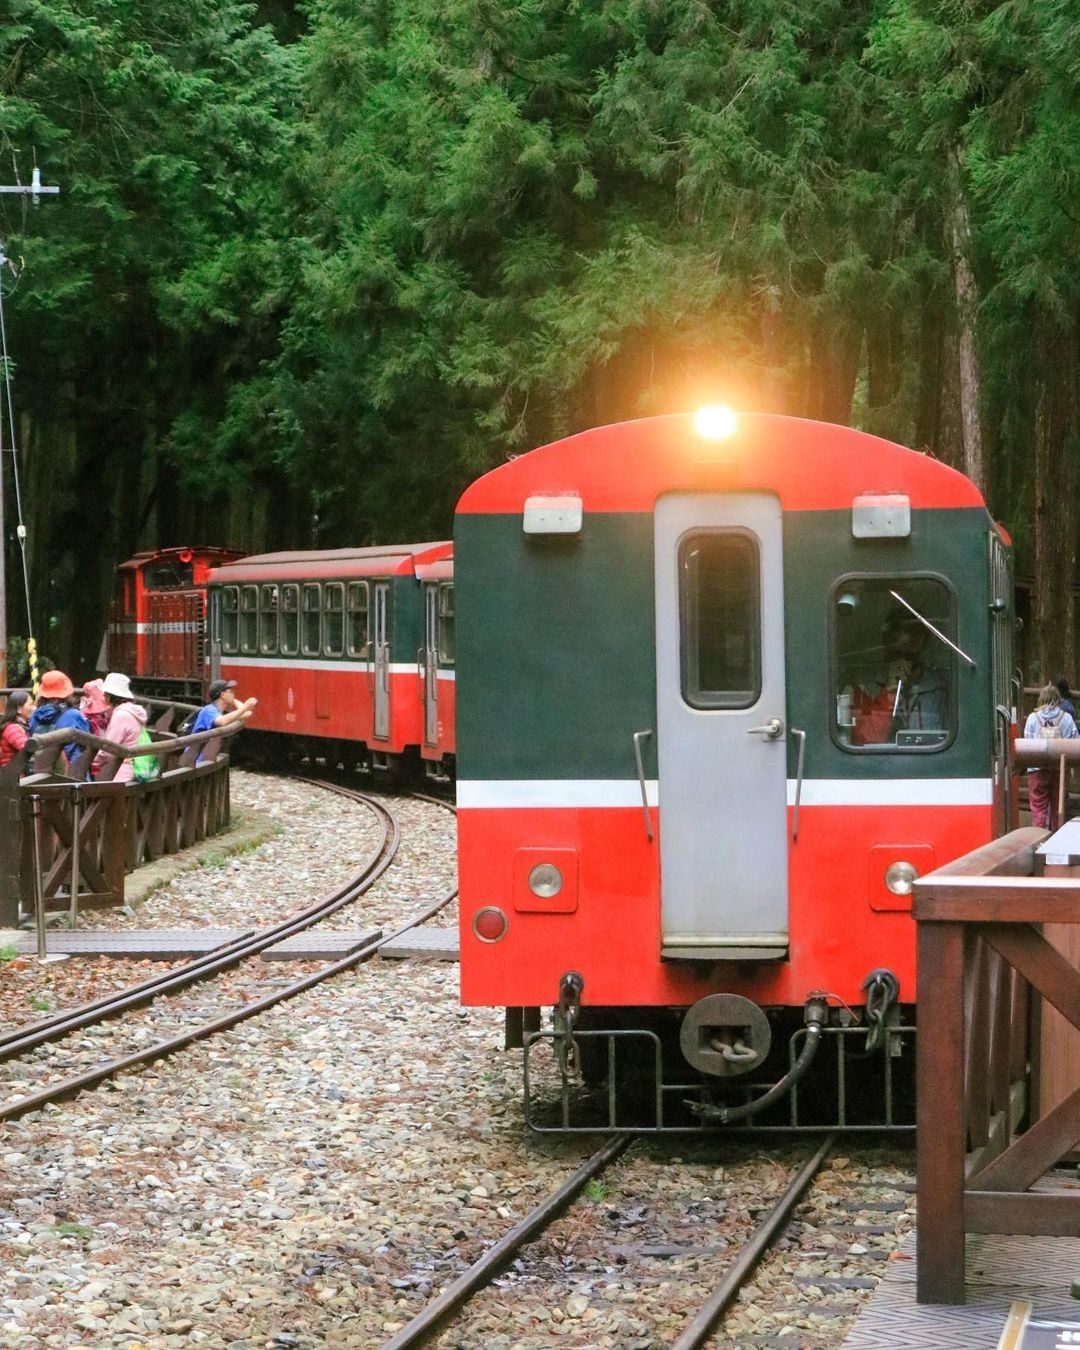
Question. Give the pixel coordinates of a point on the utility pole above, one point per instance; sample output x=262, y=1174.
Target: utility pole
x=35, y=191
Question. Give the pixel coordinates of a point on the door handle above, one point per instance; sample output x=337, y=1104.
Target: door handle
x=772, y=730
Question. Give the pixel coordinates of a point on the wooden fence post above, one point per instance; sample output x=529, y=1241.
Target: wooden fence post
x=941, y=1139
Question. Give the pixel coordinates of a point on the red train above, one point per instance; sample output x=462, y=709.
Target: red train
x=157, y=623
x=350, y=652
x=727, y=688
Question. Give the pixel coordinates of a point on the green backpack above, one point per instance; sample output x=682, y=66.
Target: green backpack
x=146, y=767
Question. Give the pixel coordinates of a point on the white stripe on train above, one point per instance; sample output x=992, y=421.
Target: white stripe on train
x=520, y=794
x=298, y=663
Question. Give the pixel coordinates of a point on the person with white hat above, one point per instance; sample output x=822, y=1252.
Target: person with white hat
x=125, y=724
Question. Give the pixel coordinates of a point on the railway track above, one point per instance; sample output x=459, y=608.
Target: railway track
x=21, y=1041
x=434, y=1319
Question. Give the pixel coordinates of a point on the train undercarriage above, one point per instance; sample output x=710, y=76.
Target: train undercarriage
x=723, y=1064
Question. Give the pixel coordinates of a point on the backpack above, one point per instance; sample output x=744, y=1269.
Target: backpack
x=145, y=767
x=1049, y=731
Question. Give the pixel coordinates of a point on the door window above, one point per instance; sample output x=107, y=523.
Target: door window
x=230, y=619
x=894, y=680
x=719, y=608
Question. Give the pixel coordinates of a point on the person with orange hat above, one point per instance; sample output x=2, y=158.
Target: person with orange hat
x=56, y=710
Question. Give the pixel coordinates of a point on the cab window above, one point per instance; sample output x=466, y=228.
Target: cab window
x=894, y=681
x=446, y=624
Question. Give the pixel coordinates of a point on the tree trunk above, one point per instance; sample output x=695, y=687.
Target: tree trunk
x=1056, y=351
x=967, y=303
x=834, y=368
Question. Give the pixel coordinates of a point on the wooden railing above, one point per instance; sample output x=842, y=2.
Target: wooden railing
x=75, y=838
x=984, y=965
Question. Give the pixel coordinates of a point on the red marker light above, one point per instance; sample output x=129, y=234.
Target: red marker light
x=490, y=924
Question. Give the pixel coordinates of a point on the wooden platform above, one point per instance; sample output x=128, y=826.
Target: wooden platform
x=1000, y=1269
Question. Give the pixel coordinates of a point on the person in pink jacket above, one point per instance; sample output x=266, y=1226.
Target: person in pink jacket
x=125, y=725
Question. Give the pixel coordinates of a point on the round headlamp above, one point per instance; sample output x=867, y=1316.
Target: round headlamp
x=545, y=881
x=900, y=877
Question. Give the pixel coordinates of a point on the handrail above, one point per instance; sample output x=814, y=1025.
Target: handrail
x=983, y=962
x=87, y=740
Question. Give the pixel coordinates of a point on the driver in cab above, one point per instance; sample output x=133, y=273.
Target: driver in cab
x=910, y=696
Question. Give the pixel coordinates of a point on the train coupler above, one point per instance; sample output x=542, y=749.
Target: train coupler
x=567, y=1012
x=815, y=1014
x=882, y=990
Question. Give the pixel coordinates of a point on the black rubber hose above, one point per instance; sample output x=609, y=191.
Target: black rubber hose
x=725, y=1114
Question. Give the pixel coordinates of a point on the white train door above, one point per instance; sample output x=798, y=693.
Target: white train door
x=430, y=664
x=721, y=733
x=382, y=659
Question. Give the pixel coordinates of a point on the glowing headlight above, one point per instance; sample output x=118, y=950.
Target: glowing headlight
x=900, y=877
x=714, y=422
x=545, y=880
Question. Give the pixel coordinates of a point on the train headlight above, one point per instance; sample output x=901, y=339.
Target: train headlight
x=715, y=423
x=545, y=880
x=900, y=877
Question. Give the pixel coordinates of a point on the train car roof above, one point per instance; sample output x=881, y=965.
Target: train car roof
x=811, y=466
x=159, y=554
x=378, y=560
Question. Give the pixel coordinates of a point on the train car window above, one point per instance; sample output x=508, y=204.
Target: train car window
x=249, y=616
x=894, y=676
x=356, y=618
x=230, y=619
x=334, y=619
x=719, y=586
x=268, y=619
x=289, y=629
x=169, y=576
x=446, y=624
x=311, y=621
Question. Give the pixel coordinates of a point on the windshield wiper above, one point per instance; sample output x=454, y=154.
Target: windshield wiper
x=936, y=631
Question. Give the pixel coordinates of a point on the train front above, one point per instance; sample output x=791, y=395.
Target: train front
x=726, y=687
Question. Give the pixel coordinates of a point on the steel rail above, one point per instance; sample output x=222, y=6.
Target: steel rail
x=69, y=1087
x=20, y=1039
x=431, y=1318
x=699, y=1330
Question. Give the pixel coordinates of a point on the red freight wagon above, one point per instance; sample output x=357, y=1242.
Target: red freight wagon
x=350, y=652
x=157, y=625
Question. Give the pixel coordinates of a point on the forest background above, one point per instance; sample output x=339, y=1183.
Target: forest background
x=314, y=266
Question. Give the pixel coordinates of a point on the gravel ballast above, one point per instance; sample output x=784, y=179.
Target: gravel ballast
x=312, y=1176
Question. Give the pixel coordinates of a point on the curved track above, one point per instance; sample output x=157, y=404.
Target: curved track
x=23, y=1039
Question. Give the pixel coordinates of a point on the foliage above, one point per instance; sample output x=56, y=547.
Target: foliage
x=315, y=267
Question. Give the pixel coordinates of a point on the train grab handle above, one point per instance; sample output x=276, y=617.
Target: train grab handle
x=639, y=736
x=798, y=782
